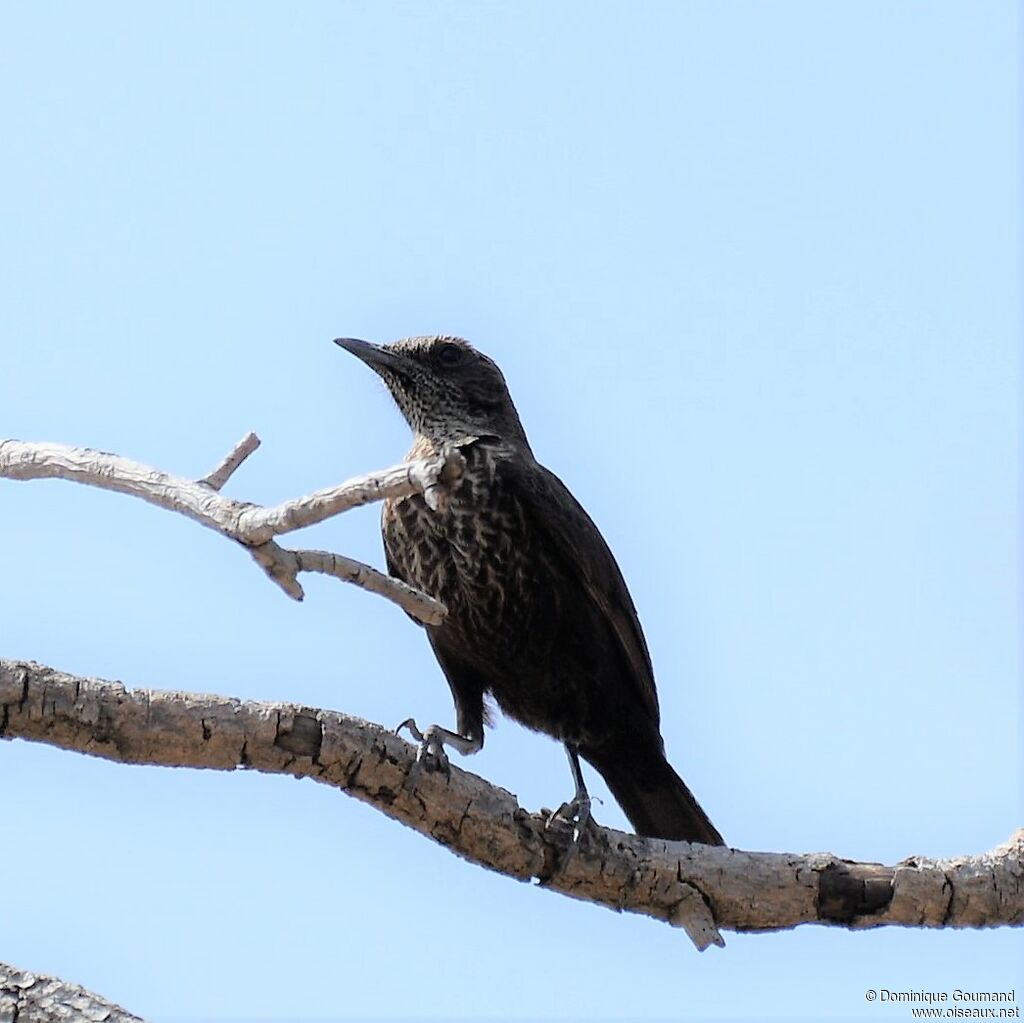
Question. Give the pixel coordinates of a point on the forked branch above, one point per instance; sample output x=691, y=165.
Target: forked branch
x=695, y=887
x=251, y=525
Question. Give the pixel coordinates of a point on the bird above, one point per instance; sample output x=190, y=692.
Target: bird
x=539, y=618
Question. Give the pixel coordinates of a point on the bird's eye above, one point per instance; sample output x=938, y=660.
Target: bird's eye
x=449, y=355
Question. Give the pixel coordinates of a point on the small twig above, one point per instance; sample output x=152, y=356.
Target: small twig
x=251, y=525
x=242, y=450
x=419, y=605
x=281, y=566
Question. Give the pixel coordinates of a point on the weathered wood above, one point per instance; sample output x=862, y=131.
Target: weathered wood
x=35, y=998
x=251, y=525
x=696, y=887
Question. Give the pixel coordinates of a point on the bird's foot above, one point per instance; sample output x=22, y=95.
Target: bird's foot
x=431, y=754
x=575, y=812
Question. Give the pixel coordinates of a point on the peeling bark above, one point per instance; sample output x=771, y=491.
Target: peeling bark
x=698, y=888
x=34, y=998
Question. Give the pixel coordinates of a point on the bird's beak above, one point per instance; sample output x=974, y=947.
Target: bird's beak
x=376, y=357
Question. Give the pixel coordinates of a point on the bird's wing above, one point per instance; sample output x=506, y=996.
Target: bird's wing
x=466, y=683
x=555, y=514
x=395, y=569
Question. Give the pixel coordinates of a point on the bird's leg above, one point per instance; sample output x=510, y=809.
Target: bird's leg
x=577, y=810
x=433, y=741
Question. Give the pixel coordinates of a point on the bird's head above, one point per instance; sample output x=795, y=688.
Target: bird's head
x=445, y=388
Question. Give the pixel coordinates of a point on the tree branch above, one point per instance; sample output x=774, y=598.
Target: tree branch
x=696, y=887
x=241, y=451
x=35, y=998
x=251, y=525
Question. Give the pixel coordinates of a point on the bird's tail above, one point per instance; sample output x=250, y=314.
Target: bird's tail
x=654, y=798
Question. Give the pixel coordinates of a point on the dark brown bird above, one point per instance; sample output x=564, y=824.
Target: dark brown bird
x=539, y=616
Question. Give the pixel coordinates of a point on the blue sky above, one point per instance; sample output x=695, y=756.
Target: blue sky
x=752, y=272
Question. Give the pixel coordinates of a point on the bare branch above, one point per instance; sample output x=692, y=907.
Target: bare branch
x=242, y=450
x=36, y=998
x=428, y=476
x=418, y=604
x=251, y=525
x=696, y=887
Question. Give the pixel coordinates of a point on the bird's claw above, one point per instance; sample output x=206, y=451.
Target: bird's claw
x=431, y=752
x=409, y=724
x=575, y=812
